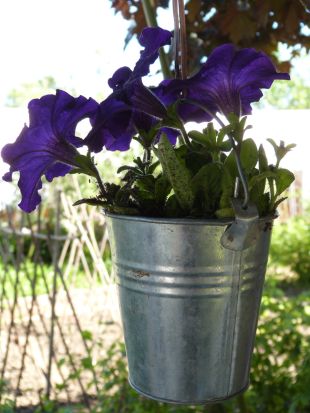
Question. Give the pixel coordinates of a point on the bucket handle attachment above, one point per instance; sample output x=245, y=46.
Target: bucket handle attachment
x=244, y=231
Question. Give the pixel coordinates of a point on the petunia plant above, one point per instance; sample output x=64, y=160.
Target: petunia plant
x=179, y=173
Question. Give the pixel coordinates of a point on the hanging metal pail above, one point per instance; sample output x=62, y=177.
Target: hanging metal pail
x=189, y=306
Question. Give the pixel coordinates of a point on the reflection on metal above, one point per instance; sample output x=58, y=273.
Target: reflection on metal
x=189, y=324
x=245, y=230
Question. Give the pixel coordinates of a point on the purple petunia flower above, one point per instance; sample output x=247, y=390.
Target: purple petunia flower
x=127, y=84
x=228, y=82
x=48, y=145
x=114, y=125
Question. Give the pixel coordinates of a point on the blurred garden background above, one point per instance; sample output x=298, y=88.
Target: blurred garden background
x=61, y=347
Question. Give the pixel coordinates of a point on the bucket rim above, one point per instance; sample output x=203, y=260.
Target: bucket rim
x=181, y=221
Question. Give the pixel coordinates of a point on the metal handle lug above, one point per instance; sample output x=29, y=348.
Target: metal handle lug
x=244, y=231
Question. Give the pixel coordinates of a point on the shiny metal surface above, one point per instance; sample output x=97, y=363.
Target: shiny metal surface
x=245, y=229
x=189, y=306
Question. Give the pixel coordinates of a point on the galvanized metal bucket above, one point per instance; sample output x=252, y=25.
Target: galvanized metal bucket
x=189, y=306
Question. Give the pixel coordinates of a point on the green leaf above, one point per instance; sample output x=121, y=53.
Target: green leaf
x=173, y=208
x=262, y=202
x=262, y=159
x=122, y=210
x=208, y=179
x=87, y=335
x=87, y=363
x=255, y=180
x=284, y=178
x=210, y=134
x=206, y=185
x=172, y=119
x=231, y=166
x=77, y=171
x=248, y=155
x=152, y=167
x=225, y=131
x=225, y=146
x=227, y=186
x=280, y=150
x=138, y=161
x=85, y=165
x=178, y=174
x=61, y=362
x=146, y=183
x=198, y=137
x=162, y=189
x=196, y=160
x=127, y=168
x=279, y=201
x=225, y=213
x=89, y=201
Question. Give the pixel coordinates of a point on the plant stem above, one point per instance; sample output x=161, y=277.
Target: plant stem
x=99, y=181
x=147, y=155
x=150, y=16
x=185, y=136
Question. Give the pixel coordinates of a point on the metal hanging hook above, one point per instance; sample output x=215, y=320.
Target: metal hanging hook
x=180, y=44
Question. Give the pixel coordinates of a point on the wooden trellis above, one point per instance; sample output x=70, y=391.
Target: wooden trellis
x=44, y=337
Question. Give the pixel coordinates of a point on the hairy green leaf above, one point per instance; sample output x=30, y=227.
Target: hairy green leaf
x=178, y=174
x=206, y=185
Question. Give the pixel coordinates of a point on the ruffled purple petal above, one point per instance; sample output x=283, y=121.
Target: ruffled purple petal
x=30, y=183
x=228, y=82
x=117, y=143
x=45, y=146
x=169, y=91
x=112, y=127
x=239, y=77
x=68, y=112
x=33, y=154
x=128, y=88
x=56, y=170
x=152, y=38
x=40, y=110
x=120, y=77
x=61, y=113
